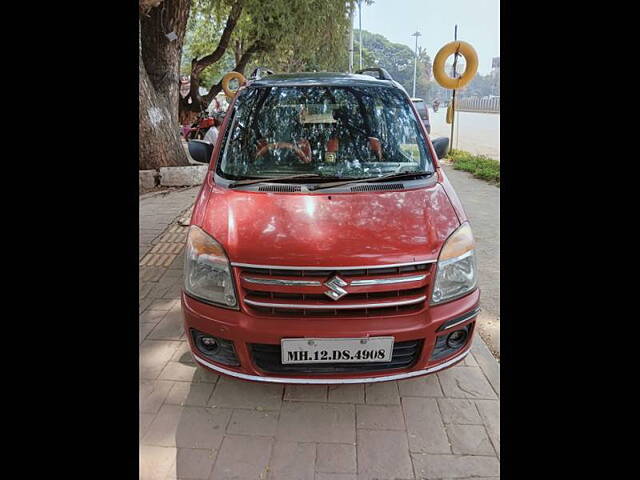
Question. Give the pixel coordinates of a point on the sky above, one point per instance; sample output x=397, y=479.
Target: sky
x=478, y=23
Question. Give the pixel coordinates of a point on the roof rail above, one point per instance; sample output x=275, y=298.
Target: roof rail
x=382, y=73
x=259, y=72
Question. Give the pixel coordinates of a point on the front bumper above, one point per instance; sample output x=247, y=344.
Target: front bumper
x=244, y=330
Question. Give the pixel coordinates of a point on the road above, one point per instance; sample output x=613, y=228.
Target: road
x=477, y=133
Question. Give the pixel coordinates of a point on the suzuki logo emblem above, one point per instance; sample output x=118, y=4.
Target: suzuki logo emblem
x=335, y=284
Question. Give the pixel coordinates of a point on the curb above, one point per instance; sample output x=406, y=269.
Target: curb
x=184, y=176
x=487, y=362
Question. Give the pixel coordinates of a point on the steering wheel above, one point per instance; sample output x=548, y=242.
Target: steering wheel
x=302, y=156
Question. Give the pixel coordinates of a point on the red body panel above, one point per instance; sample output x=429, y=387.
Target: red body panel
x=347, y=229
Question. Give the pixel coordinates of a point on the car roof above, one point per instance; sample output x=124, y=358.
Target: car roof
x=322, y=79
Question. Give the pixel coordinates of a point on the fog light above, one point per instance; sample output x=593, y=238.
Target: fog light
x=218, y=349
x=209, y=343
x=457, y=338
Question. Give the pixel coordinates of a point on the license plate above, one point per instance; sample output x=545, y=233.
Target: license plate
x=336, y=350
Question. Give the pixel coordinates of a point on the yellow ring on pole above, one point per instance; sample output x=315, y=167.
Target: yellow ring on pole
x=471, y=60
x=227, y=79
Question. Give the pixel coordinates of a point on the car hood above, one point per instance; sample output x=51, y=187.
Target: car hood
x=351, y=229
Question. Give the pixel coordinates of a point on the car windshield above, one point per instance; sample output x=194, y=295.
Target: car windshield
x=336, y=132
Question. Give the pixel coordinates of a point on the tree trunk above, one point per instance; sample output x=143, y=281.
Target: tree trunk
x=159, y=85
x=159, y=144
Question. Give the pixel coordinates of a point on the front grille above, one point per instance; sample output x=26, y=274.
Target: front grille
x=267, y=358
x=366, y=292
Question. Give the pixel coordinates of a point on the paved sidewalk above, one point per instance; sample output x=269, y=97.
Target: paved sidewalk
x=194, y=424
x=481, y=202
x=158, y=209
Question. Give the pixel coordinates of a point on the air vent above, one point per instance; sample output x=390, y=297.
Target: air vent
x=280, y=188
x=372, y=188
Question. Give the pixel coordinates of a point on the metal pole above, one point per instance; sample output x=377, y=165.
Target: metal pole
x=351, y=41
x=453, y=96
x=415, y=63
x=360, y=29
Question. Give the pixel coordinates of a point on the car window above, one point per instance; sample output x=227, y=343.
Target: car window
x=344, y=132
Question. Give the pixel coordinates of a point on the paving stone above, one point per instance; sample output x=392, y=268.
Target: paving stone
x=336, y=476
x=242, y=457
x=459, y=410
x=383, y=455
x=379, y=417
x=145, y=329
x=469, y=360
x=309, y=393
x=194, y=463
x=465, y=382
x=189, y=394
x=177, y=371
x=292, y=461
x=426, y=386
x=171, y=327
x=144, y=290
x=157, y=292
x=490, y=413
x=154, y=354
x=487, y=362
x=382, y=393
x=469, y=440
x=454, y=466
x=189, y=427
x=336, y=458
x=424, y=426
x=144, y=305
x=145, y=420
x=204, y=375
x=156, y=462
x=349, y=393
x=253, y=422
x=183, y=354
x=152, y=394
x=317, y=422
x=239, y=394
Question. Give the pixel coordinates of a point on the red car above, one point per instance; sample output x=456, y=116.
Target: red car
x=326, y=244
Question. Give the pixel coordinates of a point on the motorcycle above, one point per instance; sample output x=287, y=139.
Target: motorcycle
x=198, y=128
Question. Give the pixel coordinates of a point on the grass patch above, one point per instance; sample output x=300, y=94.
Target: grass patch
x=480, y=166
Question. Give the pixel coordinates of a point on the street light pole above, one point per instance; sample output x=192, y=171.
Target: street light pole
x=360, y=29
x=415, y=63
x=351, y=41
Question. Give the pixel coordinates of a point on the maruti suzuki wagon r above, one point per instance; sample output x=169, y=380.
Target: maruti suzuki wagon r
x=326, y=245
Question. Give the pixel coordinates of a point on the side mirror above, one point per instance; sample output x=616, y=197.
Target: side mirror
x=441, y=146
x=200, y=150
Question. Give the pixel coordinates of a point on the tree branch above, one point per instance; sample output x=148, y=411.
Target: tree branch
x=197, y=66
x=217, y=54
x=240, y=66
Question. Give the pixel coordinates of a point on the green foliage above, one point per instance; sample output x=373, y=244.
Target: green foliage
x=294, y=35
x=398, y=59
x=481, y=86
x=480, y=166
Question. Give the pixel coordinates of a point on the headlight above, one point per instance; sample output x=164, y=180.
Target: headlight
x=456, y=272
x=207, y=273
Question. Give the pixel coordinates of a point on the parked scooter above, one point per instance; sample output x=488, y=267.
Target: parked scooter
x=199, y=127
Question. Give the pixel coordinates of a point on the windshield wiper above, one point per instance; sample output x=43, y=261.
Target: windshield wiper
x=251, y=181
x=389, y=176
